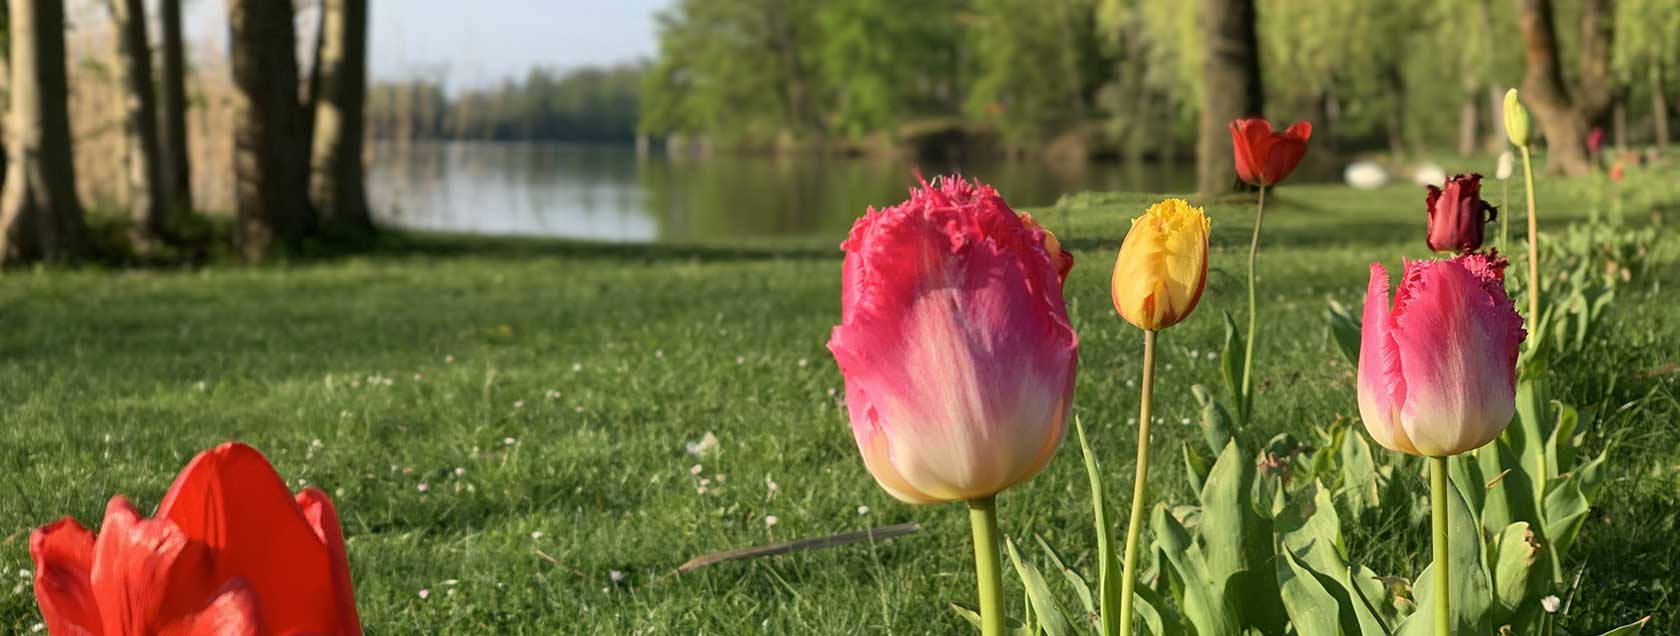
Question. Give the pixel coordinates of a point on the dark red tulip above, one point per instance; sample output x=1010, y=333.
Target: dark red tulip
x=1595, y=141
x=1458, y=215
x=230, y=552
x=1265, y=157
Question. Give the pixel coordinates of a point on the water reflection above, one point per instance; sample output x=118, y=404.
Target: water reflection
x=607, y=193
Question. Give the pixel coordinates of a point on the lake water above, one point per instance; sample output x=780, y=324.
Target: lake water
x=608, y=193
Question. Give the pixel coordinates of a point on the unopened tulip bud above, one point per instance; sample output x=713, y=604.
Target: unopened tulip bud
x=1516, y=120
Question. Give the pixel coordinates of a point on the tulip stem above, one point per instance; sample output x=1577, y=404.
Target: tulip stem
x=1533, y=251
x=1505, y=216
x=1438, y=522
x=1134, y=524
x=982, y=516
x=1243, y=409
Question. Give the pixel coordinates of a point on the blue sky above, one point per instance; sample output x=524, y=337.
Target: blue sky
x=470, y=43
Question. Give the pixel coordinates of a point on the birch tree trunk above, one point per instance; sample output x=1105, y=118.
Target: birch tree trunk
x=40, y=217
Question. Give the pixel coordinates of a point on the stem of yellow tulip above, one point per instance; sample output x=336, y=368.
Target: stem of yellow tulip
x=1253, y=313
x=1438, y=522
x=1533, y=252
x=982, y=516
x=1134, y=524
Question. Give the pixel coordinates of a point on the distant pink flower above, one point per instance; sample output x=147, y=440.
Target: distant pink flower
x=1437, y=373
x=1595, y=140
x=955, y=344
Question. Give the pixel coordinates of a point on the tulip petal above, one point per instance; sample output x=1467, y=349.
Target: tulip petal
x=1458, y=357
x=1382, y=387
x=233, y=612
x=955, y=347
x=146, y=572
x=231, y=499
x=318, y=510
x=63, y=556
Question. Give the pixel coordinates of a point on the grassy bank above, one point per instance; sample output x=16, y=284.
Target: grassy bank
x=504, y=422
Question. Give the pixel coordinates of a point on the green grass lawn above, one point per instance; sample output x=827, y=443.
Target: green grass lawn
x=503, y=422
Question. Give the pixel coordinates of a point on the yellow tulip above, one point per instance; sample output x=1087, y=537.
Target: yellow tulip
x=1162, y=266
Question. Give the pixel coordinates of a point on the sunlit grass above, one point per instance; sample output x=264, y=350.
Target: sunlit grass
x=504, y=423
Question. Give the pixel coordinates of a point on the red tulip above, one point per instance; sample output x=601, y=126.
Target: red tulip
x=1265, y=157
x=1457, y=214
x=1595, y=141
x=230, y=552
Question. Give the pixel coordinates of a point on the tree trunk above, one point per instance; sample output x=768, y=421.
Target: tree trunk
x=1659, y=108
x=177, y=163
x=147, y=209
x=1394, y=118
x=40, y=217
x=1230, y=88
x=1596, y=93
x=1618, y=122
x=335, y=184
x=1546, y=95
x=270, y=176
x=1467, y=120
x=1496, y=140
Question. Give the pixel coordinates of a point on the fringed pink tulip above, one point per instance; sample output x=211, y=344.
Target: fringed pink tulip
x=955, y=344
x=1437, y=374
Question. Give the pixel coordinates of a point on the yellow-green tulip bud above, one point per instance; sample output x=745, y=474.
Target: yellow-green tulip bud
x=1516, y=119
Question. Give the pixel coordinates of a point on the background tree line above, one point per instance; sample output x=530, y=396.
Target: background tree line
x=588, y=104
x=1156, y=77
x=297, y=138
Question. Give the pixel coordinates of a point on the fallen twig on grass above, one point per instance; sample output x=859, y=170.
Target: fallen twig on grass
x=787, y=547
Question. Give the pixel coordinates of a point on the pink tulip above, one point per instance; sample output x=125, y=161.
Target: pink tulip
x=1437, y=374
x=955, y=344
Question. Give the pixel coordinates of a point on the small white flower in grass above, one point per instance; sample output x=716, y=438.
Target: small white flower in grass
x=1169, y=366
x=718, y=477
x=460, y=472
x=303, y=482
x=700, y=491
x=519, y=404
x=536, y=535
x=616, y=576
x=200, y=386
x=771, y=520
x=705, y=446
x=1551, y=603
x=1184, y=421
x=576, y=367
x=695, y=469
x=423, y=487
x=425, y=593
x=832, y=391
x=1131, y=383
x=344, y=414
x=803, y=362
x=658, y=353
x=1211, y=355
x=508, y=441
x=863, y=510
x=24, y=574
x=578, y=409
x=37, y=627
x=451, y=582
x=418, y=377
x=449, y=359
x=553, y=394
x=740, y=359
x=705, y=481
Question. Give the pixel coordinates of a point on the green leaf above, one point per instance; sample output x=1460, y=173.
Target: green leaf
x=972, y=615
x=1519, y=575
x=1108, y=567
x=1231, y=368
x=1630, y=629
x=1344, y=328
x=1566, y=509
x=1238, y=542
x=1195, y=468
x=1052, y=617
x=1217, y=427
x=1310, y=607
x=1156, y=615
x=1204, y=603
x=1077, y=582
x=1560, y=445
x=1359, y=475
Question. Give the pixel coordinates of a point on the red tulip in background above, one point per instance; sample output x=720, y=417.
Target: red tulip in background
x=230, y=552
x=1265, y=157
x=1595, y=141
x=1458, y=215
